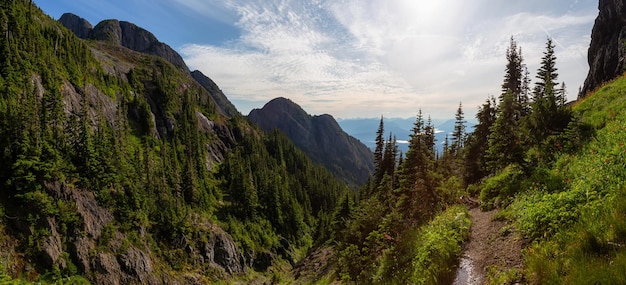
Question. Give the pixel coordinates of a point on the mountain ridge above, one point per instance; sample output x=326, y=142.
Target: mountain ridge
x=320, y=137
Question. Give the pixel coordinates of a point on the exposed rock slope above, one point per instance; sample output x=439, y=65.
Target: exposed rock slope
x=125, y=34
x=607, y=51
x=320, y=137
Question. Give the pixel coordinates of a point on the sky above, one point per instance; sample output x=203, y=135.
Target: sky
x=356, y=58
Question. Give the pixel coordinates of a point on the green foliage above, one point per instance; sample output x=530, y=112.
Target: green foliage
x=505, y=145
x=450, y=190
x=499, y=189
x=437, y=248
x=140, y=150
x=575, y=211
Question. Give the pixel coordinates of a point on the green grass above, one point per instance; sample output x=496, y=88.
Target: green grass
x=577, y=224
x=438, y=246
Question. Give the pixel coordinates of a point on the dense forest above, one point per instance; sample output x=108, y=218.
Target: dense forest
x=118, y=167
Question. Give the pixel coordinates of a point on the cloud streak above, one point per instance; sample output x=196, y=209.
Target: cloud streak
x=356, y=58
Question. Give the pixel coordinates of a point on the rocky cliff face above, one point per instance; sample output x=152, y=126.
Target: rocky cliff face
x=125, y=34
x=607, y=51
x=76, y=24
x=320, y=137
x=227, y=107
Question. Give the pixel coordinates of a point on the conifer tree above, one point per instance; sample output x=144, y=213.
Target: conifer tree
x=478, y=141
x=514, y=78
x=504, y=143
x=378, y=152
x=546, y=74
x=458, y=136
x=417, y=198
x=513, y=70
x=548, y=114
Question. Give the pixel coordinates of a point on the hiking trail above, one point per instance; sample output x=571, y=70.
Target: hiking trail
x=493, y=245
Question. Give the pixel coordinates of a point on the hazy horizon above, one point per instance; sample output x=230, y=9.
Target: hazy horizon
x=356, y=59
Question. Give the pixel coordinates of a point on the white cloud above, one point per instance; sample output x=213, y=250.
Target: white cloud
x=355, y=58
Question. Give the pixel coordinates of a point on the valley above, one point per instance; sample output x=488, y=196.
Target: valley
x=123, y=165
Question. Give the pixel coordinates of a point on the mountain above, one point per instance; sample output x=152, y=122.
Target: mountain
x=364, y=129
x=137, y=39
x=220, y=99
x=607, y=51
x=320, y=137
x=125, y=34
x=119, y=167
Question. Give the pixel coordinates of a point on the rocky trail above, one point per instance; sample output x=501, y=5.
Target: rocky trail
x=494, y=246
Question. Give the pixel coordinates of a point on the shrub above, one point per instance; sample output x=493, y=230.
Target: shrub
x=438, y=246
x=499, y=189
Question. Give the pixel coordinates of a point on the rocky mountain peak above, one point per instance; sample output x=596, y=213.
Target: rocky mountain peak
x=320, y=137
x=607, y=51
x=125, y=34
x=76, y=24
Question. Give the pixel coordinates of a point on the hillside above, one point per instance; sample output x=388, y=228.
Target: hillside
x=320, y=137
x=120, y=168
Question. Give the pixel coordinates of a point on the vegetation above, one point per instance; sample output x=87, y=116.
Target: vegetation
x=133, y=139
x=156, y=153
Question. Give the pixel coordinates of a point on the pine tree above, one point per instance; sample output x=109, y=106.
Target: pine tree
x=475, y=166
x=504, y=143
x=514, y=78
x=417, y=198
x=378, y=152
x=513, y=71
x=561, y=97
x=546, y=74
x=458, y=136
x=548, y=114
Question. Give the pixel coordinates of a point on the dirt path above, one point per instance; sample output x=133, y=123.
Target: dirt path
x=492, y=244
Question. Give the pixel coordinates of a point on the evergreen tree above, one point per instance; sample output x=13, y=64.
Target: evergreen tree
x=458, y=136
x=546, y=74
x=514, y=78
x=561, y=97
x=378, y=152
x=548, y=113
x=478, y=142
x=417, y=199
x=504, y=142
x=513, y=75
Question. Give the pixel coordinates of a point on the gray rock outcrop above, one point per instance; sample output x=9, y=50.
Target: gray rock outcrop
x=125, y=34
x=223, y=103
x=320, y=137
x=76, y=24
x=607, y=51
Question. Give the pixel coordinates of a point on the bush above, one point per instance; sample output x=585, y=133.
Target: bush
x=427, y=255
x=438, y=246
x=498, y=190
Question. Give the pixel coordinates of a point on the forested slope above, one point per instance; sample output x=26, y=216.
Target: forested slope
x=118, y=167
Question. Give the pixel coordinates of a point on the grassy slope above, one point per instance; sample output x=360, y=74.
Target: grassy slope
x=578, y=224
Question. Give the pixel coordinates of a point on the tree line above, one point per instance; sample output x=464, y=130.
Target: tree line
x=523, y=128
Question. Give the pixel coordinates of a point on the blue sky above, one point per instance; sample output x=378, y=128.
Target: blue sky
x=355, y=58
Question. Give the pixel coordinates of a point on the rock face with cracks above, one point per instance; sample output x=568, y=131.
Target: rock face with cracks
x=125, y=34
x=607, y=51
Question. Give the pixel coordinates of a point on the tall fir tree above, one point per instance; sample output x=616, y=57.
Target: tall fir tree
x=548, y=114
x=514, y=78
x=458, y=136
x=378, y=153
x=475, y=166
x=505, y=146
x=546, y=74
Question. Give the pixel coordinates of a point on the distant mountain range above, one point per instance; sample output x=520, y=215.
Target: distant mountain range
x=320, y=137
x=364, y=129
